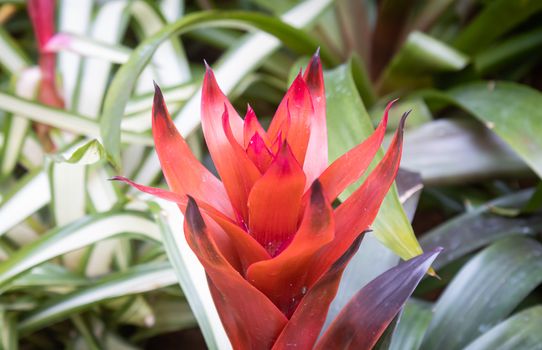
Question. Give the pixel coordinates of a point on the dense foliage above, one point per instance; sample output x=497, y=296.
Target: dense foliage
x=88, y=263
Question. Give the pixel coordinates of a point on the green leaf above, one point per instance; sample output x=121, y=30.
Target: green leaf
x=8, y=330
x=48, y=275
x=521, y=331
x=16, y=127
x=512, y=111
x=74, y=18
x=24, y=198
x=348, y=124
x=412, y=325
x=136, y=280
x=420, y=56
x=88, y=153
x=484, y=292
x=508, y=52
x=173, y=315
x=169, y=65
x=124, y=81
x=456, y=150
x=480, y=227
x=88, y=47
x=11, y=55
x=79, y=234
x=108, y=24
x=497, y=18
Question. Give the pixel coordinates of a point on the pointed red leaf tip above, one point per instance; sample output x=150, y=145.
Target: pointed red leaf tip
x=42, y=15
x=275, y=201
x=239, y=304
x=258, y=152
x=357, y=212
x=252, y=126
x=294, y=117
x=362, y=321
x=283, y=278
x=348, y=168
x=317, y=150
x=241, y=171
x=306, y=323
x=236, y=170
x=182, y=170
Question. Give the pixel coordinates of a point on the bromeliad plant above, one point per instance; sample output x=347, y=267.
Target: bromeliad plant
x=272, y=245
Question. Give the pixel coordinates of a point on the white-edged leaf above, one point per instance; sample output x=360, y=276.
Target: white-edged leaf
x=29, y=195
x=88, y=47
x=108, y=27
x=11, y=55
x=61, y=119
x=81, y=233
x=49, y=275
x=137, y=280
x=169, y=62
x=74, y=17
x=17, y=126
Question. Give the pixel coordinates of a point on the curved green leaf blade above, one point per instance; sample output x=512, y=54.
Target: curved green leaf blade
x=484, y=292
x=482, y=30
x=366, y=316
x=29, y=194
x=480, y=227
x=421, y=55
x=412, y=325
x=512, y=111
x=79, y=234
x=8, y=330
x=11, y=55
x=521, y=331
x=508, y=52
x=136, y=280
x=48, y=275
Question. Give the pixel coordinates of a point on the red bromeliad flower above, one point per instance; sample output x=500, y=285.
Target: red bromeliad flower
x=272, y=245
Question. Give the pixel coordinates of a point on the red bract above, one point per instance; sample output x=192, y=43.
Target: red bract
x=42, y=15
x=272, y=245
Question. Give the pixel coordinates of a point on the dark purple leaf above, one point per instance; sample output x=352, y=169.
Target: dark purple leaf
x=363, y=320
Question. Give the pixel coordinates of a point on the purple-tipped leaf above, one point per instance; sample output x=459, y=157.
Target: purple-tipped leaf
x=367, y=315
